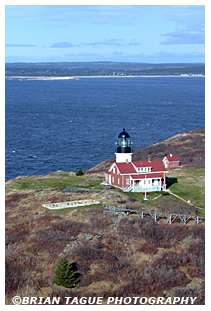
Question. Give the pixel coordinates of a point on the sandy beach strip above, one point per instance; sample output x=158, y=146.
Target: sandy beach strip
x=81, y=77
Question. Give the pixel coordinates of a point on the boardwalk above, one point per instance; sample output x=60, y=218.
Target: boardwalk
x=61, y=205
x=156, y=215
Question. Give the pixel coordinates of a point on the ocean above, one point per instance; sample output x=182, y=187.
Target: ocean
x=69, y=124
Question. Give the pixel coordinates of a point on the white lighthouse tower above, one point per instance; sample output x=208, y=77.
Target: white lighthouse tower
x=124, y=151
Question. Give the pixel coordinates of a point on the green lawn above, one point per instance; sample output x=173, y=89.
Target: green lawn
x=55, y=181
x=190, y=186
x=139, y=196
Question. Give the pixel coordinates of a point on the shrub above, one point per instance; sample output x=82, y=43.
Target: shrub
x=196, y=253
x=116, y=266
x=14, y=277
x=79, y=172
x=199, y=232
x=148, y=248
x=170, y=260
x=165, y=277
x=90, y=253
x=65, y=274
x=54, y=238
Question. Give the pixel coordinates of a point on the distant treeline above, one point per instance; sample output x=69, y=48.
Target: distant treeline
x=101, y=69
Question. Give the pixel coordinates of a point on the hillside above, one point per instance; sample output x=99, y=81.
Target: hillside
x=189, y=147
x=115, y=255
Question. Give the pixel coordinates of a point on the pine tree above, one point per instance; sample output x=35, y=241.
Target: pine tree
x=79, y=172
x=65, y=274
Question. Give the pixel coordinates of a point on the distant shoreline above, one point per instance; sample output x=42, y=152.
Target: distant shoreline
x=101, y=76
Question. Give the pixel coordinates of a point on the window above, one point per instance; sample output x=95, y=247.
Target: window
x=149, y=181
x=127, y=181
x=142, y=169
x=118, y=180
x=112, y=178
x=114, y=170
x=155, y=182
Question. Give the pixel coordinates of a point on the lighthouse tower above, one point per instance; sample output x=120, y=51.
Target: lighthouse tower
x=124, y=152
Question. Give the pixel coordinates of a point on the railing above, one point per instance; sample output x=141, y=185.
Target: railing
x=156, y=215
x=128, y=188
x=142, y=189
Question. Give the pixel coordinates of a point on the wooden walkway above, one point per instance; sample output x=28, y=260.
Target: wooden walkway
x=156, y=215
x=61, y=205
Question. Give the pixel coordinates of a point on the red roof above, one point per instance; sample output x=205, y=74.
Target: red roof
x=172, y=158
x=142, y=176
x=156, y=165
x=126, y=168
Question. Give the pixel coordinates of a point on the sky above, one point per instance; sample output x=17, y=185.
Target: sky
x=122, y=33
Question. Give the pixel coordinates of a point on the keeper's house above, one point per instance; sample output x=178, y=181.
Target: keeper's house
x=138, y=176
x=171, y=161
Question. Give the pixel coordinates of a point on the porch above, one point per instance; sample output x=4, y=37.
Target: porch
x=134, y=188
x=146, y=183
x=145, y=189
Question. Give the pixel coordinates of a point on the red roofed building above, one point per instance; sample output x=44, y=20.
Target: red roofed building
x=137, y=176
x=171, y=161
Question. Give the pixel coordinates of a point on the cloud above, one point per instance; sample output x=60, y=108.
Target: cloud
x=184, y=38
x=111, y=42
x=17, y=45
x=62, y=45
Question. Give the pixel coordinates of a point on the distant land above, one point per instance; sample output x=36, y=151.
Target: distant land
x=71, y=69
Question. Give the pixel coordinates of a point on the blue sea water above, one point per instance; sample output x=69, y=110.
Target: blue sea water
x=71, y=124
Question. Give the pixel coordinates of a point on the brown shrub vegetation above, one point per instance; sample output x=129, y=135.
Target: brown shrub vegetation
x=165, y=277
x=133, y=254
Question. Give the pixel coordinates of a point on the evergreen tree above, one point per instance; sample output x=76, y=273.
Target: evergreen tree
x=65, y=274
x=79, y=172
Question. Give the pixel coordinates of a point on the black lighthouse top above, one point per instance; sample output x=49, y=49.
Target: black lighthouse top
x=124, y=143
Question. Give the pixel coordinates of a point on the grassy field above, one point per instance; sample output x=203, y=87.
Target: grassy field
x=190, y=186
x=55, y=181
